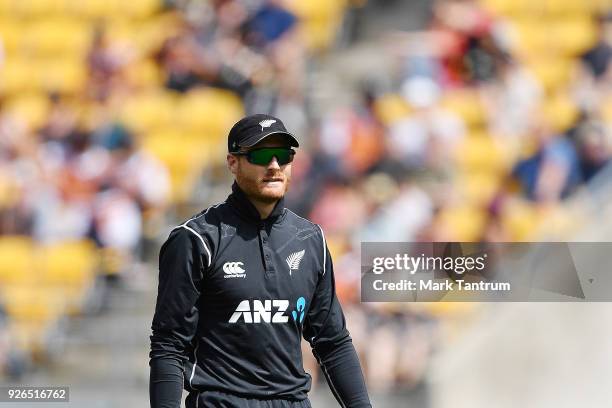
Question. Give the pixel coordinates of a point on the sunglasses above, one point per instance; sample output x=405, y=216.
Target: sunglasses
x=264, y=155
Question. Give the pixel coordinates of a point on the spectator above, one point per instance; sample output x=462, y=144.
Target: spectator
x=595, y=148
x=598, y=58
x=552, y=172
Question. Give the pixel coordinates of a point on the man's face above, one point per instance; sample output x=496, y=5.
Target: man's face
x=263, y=183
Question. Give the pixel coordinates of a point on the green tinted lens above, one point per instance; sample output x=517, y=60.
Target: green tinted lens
x=264, y=155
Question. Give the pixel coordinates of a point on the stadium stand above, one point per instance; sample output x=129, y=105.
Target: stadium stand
x=113, y=117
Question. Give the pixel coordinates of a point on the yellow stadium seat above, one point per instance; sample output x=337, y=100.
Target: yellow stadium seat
x=92, y=9
x=144, y=75
x=553, y=36
x=520, y=219
x=210, y=112
x=9, y=191
x=467, y=104
x=17, y=76
x=33, y=303
x=32, y=310
x=11, y=33
x=337, y=244
x=574, y=36
x=184, y=158
x=546, y=8
x=148, y=111
x=481, y=153
x=560, y=111
x=319, y=20
x=140, y=8
x=5, y=7
x=33, y=108
x=110, y=9
x=552, y=73
x=34, y=8
x=448, y=310
x=390, y=108
x=528, y=37
x=67, y=75
x=16, y=260
x=120, y=29
x=586, y=7
x=606, y=110
x=68, y=270
x=68, y=264
x=462, y=223
x=502, y=7
x=145, y=36
x=478, y=188
x=152, y=32
x=57, y=37
x=318, y=35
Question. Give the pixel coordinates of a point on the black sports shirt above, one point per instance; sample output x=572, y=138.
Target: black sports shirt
x=236, y=294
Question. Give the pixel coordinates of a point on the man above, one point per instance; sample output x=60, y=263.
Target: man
x=240, y=284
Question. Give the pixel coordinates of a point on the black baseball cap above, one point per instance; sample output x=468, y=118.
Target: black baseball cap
x=252, y=129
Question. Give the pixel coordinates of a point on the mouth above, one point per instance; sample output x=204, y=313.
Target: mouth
x=273, y=182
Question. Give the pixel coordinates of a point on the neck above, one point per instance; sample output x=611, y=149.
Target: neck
x=255, y=208
x=263, y=208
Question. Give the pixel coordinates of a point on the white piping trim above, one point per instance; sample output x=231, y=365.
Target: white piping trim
x=329, y=380
x=195, y=363
x=324, y=250
x=184, y=225
x=322, y=234
x=201, y=239
x=182, y=384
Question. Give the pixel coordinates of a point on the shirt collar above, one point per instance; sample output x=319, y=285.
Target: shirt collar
x=245, y=208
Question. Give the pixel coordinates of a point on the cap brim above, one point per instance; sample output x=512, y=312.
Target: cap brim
x=292, y=140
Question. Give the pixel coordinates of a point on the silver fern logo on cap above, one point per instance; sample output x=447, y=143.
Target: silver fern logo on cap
x=266, y=123
x=294, y=260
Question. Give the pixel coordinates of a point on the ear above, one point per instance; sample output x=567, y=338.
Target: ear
x=232, y=163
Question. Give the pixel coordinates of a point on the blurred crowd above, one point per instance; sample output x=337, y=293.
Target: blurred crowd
x=478, y=133
x=486, y=122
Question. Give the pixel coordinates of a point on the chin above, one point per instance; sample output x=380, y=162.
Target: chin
x=259, y=190
x=271, y=194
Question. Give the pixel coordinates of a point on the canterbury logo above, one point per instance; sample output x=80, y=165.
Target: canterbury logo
x=234, y=270
x=294, y=260
x=266, y=123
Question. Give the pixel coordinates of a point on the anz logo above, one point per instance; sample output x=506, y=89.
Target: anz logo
x=298, y=314
x=261, y=311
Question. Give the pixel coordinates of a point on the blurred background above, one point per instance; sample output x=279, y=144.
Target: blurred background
x=447, y=120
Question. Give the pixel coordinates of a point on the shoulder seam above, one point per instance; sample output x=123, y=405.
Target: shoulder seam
x=305, y=219
x=202, y=214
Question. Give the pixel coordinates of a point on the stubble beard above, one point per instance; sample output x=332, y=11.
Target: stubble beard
x=252, y=188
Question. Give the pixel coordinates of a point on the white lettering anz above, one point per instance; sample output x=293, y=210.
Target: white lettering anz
x=261, y=312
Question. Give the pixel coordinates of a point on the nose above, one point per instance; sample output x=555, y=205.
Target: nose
x=273, y=163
